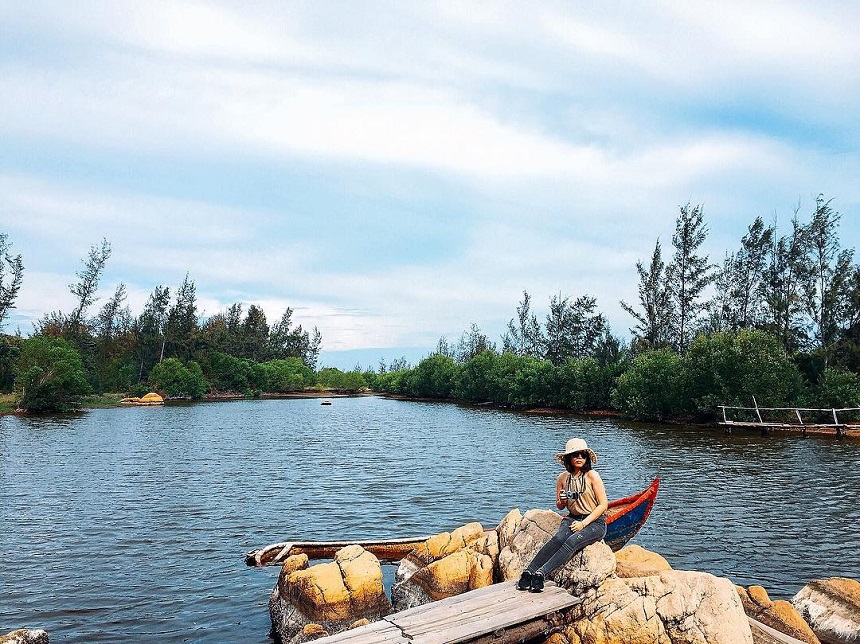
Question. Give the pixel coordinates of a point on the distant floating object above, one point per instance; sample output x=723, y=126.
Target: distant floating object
x=151, y=398
x=325, y=402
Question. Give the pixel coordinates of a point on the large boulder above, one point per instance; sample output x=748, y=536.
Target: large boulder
x=520, y=538
x=446, y=543
x=25, y=636
x=453, y=574
x=832, y=609
x=445, y=565
x=780, y=614
x=332, y=595
x=676, y=607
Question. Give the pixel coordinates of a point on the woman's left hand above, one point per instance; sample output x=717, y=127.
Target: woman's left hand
x=576, y=526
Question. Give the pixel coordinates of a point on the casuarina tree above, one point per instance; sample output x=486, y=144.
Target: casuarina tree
x=689, y=273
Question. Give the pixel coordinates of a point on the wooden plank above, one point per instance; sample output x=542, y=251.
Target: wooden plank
x=486, y=613
x=381, y=632
x=497, y=614
x=490, y=599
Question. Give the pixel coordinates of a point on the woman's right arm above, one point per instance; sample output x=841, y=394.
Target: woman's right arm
x=560, y=503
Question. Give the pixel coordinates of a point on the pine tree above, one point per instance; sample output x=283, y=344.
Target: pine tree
x=688, y=274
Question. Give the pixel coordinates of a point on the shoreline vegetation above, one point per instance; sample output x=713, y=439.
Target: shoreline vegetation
x=775, y=324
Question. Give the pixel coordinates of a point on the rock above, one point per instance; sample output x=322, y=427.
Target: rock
x=675, y=607
x=520, y=542
x=587, y=570
x=635, y=561
x=832, y=609
x=446, y=564
x=508, y=527
x=309, y=633
x=445, y=543
x=779, y=614
x=451, y=575
x=25, y=636
x=332, y=595
x=291, y=565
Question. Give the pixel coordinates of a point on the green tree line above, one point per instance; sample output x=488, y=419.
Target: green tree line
x=168, y=346
x=777, y=320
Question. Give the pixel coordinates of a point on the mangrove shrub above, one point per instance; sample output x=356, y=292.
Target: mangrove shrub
x=178, y=380
x=649, y=389
x=730, y=368
x=50, y=375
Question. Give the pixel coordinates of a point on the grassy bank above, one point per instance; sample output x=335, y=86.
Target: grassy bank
x=7, y=403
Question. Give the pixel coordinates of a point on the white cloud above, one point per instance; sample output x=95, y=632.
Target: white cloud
x=564, y=136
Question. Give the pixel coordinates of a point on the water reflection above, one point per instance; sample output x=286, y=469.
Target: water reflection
x=130, y=524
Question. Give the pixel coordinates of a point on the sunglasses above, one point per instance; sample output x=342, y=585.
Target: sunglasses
x=578, y=455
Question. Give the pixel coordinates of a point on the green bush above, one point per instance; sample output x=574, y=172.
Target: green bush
x=534, y=383
x=730, y=368
x=226, y=373
x=434, y=377
x=289, y=374
x=837, y=389
x=50, y=375
x=333, y=378
x=648, y=390
x=476, y=380
x=177, y=380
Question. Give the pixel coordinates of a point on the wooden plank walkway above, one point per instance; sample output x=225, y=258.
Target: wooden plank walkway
x=497, y=613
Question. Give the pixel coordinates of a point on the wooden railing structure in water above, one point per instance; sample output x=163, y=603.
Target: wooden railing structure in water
x=764, y=423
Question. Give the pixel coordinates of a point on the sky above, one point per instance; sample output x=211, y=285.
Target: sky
x=397, y=171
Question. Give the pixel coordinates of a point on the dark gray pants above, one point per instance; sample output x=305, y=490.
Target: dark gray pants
x=560, y=549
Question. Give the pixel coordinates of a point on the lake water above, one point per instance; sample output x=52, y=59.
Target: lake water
x=129, y=525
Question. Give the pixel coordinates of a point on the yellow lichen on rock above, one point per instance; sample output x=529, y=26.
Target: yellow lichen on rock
x=362, y=577
x=291, y=565
x=319, y=592
x=456, y=573
x=445, y=543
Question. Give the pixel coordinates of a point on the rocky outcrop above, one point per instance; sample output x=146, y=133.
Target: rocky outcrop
x=635, y=599
x=676, y=607
x=25, y=636
x=332, y=595
x=832, y=609
x=636, y=561
x=780, y=614
x=671, y=607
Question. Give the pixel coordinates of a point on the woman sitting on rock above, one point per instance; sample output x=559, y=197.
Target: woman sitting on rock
x=580, y=490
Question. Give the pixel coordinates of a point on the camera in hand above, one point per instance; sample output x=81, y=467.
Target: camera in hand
x=569, y=495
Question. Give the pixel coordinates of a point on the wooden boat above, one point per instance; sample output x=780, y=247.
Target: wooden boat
x=624, y=518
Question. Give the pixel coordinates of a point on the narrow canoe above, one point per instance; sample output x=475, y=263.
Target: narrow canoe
x=624, y=518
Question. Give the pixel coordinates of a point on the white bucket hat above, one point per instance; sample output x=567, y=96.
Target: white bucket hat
x=576, y=445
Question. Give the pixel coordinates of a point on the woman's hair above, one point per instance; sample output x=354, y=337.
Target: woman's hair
x=585, y=468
